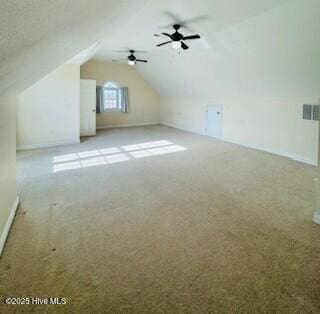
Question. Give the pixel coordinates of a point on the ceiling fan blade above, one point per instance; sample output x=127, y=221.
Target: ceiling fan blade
x=191, y=37
x=184, y=46
x=167, y=42
x=139, y=60
x=184, y=23
x=172, y=16
x=200, y=18
x=166, y=34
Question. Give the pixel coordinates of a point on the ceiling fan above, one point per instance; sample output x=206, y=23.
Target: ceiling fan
x=131, y=59
x=176, y=38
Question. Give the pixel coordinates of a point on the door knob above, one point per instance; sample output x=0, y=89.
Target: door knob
x=93, y=110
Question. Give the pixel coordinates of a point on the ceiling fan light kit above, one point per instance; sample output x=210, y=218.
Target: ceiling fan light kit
x=176, y=45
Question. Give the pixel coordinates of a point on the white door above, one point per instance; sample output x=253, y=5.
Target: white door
x=214, y=121
x=87, y=107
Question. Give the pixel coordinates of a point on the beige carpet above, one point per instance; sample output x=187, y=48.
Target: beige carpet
x=178, y=224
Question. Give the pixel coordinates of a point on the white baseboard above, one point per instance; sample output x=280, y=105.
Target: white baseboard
x=46, y=145
x=279, y=153
x=196, y=131
x=85, y=134
x=113, y=126
x=283, y=154
x=316, y=218
x=8, y=225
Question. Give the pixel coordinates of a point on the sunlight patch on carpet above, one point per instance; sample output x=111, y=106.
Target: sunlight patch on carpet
x=108, y=156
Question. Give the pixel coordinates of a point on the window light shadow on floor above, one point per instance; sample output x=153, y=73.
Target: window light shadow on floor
x=107, y=156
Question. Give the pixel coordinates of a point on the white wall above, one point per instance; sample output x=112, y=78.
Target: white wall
x=144, y=101
x=8, y=190
x=270, y=124
x=48, y=111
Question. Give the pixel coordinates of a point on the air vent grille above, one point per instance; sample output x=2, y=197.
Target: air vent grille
x=316, y=112
x=307, y=112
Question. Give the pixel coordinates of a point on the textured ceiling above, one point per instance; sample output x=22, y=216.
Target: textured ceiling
x=216, y=15
x=36, y=36
x=23, y=23
x=248, y=47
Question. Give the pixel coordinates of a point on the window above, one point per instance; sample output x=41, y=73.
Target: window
x=112, y=97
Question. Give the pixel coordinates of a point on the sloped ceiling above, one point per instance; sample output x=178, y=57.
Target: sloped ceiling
x=248, y=48
x=37, y=36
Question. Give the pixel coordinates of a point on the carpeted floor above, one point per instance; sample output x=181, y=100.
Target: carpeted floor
x=177, y=224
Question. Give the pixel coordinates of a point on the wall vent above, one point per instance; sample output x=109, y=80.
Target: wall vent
x=311, y=112
x=316, y=112
x=307, y=112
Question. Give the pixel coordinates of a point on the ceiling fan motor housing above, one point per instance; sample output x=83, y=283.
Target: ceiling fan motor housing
x=176, y=36
x=131, y=57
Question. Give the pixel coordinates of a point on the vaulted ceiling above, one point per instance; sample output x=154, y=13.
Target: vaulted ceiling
x=36, y=36
x=248, y=47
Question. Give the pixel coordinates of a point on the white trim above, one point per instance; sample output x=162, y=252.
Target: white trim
x=283, y=154
x=316, y=218
x=8, y=225
x=112, y=126
x=87, y=132
x=37, y=146
x=196, y=131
